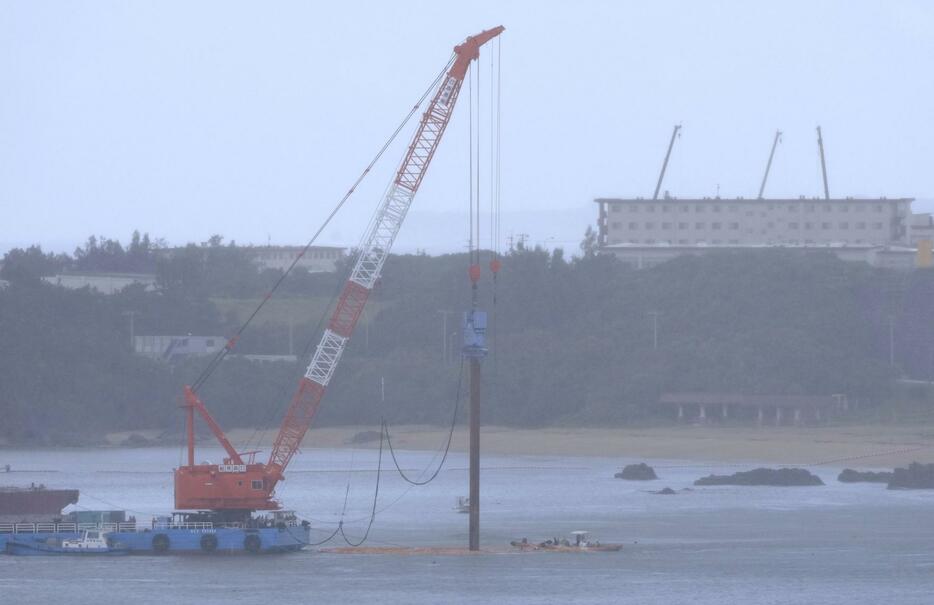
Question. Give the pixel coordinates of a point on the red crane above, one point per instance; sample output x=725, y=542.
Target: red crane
x=245, y=485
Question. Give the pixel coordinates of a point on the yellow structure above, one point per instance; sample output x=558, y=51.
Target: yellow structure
x=925, y=256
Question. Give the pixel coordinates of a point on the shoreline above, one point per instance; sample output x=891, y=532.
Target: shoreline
x=859, y=446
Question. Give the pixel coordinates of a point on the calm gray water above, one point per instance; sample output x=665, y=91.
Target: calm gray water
x=833, y=544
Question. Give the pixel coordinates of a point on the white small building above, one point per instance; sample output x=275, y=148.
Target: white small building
x=169, y=348
x=105, y=283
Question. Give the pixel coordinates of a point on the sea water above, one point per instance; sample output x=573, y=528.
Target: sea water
x=839, y=543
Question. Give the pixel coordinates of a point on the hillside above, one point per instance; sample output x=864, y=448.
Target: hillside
x=572, y=340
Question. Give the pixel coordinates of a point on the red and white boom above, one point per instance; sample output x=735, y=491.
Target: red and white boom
x=238, y=486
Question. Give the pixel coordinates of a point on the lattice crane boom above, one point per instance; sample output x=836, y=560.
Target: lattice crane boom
x=192, y=492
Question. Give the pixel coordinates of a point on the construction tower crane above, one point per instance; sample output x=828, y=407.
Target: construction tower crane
x=240, y=484
x=661, y=176
x=768, y=165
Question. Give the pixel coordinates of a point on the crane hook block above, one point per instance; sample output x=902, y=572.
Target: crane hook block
x=495, y=265
x=474, y=273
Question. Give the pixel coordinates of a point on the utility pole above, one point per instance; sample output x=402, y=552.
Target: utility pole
x=132, y=315
x=654, y=315
x=366, y=331
x=892, y=341
x=661, y=176
x=823, y=164
x=444, y=334
x=768, y=166
x=474, y=496
x=474, y=350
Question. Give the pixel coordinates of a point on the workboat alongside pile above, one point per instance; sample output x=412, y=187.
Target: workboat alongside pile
x=580, y=541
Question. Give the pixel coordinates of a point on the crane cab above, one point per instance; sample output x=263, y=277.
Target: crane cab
x=224, y=487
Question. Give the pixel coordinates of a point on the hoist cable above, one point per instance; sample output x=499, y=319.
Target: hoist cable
x=499, y=77
x=478, y=152
x=385, y=435
x=495, y=204
x=447, y=447
x=492, y=158
x=470, y=165
x=369, y=526
x=319, y=543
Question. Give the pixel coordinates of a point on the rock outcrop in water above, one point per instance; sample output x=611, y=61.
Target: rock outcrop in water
x=637, y=472
x=782, y=477
x=136, y=440
x=849, y=475
x=667, y=491
x=916, y=476
x=364, y=437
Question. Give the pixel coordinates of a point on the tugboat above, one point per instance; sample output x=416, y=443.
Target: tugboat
x=91, y=542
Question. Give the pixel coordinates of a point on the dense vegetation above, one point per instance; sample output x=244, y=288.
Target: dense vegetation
x=572, y=339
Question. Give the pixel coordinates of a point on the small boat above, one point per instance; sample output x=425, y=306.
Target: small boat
x=91, y=542
x=583, y=541
x=580, y=542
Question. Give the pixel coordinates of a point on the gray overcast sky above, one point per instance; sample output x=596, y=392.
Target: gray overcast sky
x=250, y=119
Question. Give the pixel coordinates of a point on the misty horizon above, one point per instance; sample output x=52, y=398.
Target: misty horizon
x=252, y=124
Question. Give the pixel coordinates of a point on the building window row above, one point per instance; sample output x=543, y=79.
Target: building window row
x=699, y=208
x=735, y=226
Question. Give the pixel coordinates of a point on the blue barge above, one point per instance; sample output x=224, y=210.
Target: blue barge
x=276, y=532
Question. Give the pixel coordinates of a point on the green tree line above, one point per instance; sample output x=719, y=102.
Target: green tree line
x=581, y=340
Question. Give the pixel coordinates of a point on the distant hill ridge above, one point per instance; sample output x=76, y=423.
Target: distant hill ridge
x=571, y=339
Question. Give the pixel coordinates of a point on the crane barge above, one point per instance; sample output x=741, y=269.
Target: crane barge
x=218, y=502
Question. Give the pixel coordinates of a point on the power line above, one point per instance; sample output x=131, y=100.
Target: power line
x=231, y=343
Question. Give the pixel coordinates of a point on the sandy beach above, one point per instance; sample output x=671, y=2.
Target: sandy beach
x=861, y=446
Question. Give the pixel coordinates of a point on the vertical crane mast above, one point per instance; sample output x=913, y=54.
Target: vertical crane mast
x=372, y=256
x=768, y=165
x=823, y=164
x=661, y=176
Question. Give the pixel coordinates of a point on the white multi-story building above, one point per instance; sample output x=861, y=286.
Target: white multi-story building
x=645, y=232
